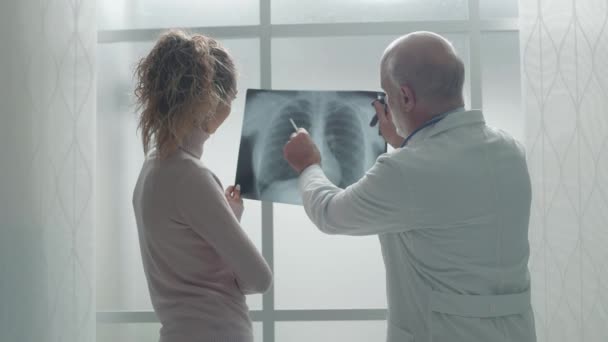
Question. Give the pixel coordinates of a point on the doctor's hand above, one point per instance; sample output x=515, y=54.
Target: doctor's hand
x=387, y=127
x=301, y=152
x=233, y=195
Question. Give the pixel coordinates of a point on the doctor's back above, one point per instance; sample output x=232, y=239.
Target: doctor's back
x=459, y=268
x=451, y=211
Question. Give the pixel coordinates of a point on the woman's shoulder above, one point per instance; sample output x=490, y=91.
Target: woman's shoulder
x=193, y=172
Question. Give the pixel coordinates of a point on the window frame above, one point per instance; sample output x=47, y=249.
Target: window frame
x=265, y=31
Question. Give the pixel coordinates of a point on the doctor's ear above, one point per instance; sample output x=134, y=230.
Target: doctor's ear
x=408, y=97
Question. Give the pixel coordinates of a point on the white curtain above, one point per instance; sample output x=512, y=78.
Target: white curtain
x=564, y=46
x=47, y=154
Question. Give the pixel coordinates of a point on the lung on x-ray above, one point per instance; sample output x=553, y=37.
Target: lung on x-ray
x=338, y=122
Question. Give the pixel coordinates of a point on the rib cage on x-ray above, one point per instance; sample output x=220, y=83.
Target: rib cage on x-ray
x=273, y=165
x=335, y=120
x=343, y=133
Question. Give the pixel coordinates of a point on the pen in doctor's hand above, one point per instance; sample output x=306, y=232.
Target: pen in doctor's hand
x=295, y=127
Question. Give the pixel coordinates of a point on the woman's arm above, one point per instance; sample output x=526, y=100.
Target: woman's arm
x=203, y=206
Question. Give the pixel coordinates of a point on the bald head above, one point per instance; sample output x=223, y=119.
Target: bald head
x=427, y=63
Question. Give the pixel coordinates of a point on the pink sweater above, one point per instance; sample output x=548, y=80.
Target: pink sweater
x=198, y=261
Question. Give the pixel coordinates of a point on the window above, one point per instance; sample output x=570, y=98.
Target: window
x=326, y=288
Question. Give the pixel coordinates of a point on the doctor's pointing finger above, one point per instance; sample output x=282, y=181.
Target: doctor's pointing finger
x=301, y=151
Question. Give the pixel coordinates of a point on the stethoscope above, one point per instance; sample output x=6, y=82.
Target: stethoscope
x=431, y=122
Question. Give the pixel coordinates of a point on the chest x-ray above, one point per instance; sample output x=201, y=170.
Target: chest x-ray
x=338, y=122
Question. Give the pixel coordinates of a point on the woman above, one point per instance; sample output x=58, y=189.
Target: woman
x=198, y=261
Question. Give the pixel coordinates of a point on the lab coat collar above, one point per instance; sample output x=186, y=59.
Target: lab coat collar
x=451, y=121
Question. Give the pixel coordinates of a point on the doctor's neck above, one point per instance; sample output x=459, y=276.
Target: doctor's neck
x=427, y=112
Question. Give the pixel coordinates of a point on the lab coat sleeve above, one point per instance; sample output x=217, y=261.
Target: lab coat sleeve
x=370, y=206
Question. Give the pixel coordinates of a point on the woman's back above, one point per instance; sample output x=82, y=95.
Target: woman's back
x=194, y=290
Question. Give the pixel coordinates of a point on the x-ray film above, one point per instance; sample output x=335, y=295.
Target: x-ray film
x=338, y=122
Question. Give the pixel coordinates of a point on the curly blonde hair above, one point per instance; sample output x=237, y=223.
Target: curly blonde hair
x=180, y=84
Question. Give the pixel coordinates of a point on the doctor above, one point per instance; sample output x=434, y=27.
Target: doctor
x=450, y=204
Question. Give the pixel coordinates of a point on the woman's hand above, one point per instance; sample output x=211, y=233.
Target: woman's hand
x=233, y=195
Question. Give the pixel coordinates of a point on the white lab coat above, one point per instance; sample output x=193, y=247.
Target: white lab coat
x=451, y=210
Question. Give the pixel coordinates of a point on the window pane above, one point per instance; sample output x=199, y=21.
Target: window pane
x=123, y=332
x=149, y=332
x=137, y=14
x=121, y=283
x=339, y=63
x=323, y=11
x=501, y=82
x=489, y=9
x=318, y=271
x=351, y=331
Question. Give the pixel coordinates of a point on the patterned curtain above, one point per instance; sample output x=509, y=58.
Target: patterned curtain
x=564, y=46
x=47, y=154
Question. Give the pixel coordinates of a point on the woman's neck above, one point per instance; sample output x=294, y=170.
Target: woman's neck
x=193, y=142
